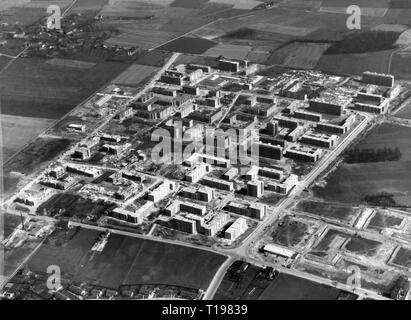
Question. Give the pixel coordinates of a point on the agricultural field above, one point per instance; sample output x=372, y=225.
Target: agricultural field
x=125, y=260
x=254, y=283
x=355, y=63
x=10, y=222
x=35, y=154
x=288, y=287
x=68, y=63
x=400, y=65
x=134, y=75
x=189, y=45
x=377, y=183
x=298, y=55
x=229, y=51
x=35, y=88
x=18, y=131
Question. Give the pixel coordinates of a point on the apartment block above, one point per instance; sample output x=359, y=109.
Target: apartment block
x=84, y=170
x=270, y=151
x=162, y=191
x=254, y=210
x=322, y=140
x=306, y=115
x=284, y=186
x=198, y=172
x=303, y=153
x=218, y=184
x=212, y=225
x=379, y=79
x=236, y=229
x=255, y=188
x=204, y=194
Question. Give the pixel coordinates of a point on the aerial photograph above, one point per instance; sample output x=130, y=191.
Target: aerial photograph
x=205, y=154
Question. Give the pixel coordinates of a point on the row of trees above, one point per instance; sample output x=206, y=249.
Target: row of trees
x=382, y=199
x=366, y=41
x=373, y=155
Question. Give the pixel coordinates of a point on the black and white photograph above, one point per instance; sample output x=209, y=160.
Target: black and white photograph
x=205, y=158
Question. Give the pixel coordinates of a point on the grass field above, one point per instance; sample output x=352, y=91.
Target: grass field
x=329, y=211
x=363, y=246
x=403, y=257
x=350, y=183
x=127, y=260
x=405, y=112
x=380, y=221
x=290, y=234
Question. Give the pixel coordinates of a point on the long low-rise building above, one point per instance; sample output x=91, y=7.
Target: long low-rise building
x=303, y=153
x=253, y=210
x=218, y=183
x=340, y=128
x=269, y=151
x=285, y=186
x=306, y=115
x=185, y=206
x=279, y=251
x=322, y=140
x=197, y=158
x=204, y=194
x=372, y=108
x=134, y=217
x=84, y=170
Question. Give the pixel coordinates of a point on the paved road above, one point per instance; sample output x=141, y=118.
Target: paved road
x=218, y=277
x=310, y=178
